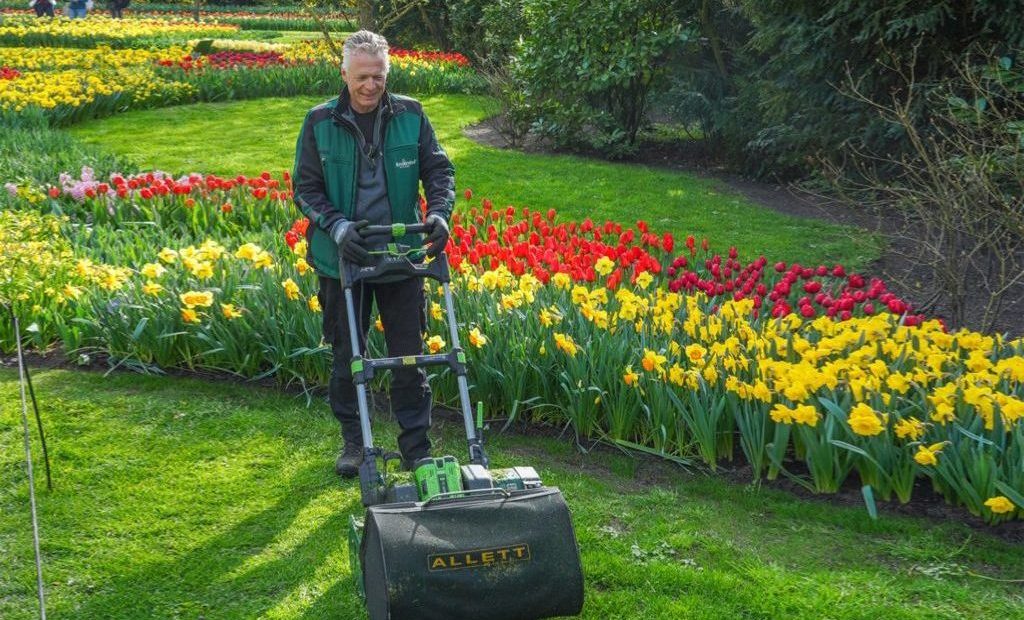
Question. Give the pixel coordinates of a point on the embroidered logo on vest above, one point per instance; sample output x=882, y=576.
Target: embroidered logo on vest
x=405, y=163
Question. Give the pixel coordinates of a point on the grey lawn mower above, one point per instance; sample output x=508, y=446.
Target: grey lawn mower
x=451, y=540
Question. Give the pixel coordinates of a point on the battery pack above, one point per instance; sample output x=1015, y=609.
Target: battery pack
x=437, y=476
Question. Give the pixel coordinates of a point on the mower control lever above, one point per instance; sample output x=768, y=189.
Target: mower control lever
x=468, y=493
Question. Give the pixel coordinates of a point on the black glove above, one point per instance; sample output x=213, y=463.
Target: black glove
x=437, y=234
x=351, y=244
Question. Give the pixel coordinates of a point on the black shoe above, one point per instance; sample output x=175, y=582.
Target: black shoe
x=351, y=457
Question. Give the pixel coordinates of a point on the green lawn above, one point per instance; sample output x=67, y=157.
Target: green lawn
x=179, y=498
x=251, y=136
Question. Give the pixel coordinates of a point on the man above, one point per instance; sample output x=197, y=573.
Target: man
x=43, y=8
x=359, y=160
x=117, y=8
x=78, y=9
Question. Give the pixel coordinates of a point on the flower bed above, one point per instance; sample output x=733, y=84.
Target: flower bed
x=600, y=325
x=98, y=30
x=227, y=60
x=66, y=84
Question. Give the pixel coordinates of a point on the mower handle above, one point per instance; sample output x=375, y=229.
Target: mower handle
x=395, y=230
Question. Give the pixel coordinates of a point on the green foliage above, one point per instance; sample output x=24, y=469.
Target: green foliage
x=486, y=30
x=802, y=53
x=588, y=66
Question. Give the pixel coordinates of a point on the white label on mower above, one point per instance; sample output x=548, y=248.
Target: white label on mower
x=479, y=557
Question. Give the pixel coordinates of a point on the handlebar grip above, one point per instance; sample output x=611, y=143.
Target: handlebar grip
x=395, y=230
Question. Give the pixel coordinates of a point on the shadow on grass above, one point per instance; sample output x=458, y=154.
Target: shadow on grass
x=208, y=581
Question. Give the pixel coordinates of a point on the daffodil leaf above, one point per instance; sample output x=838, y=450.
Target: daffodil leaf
x=832, y=407
x=852, y=448
x=869, y=501
x=977, y=438
x=138, y=328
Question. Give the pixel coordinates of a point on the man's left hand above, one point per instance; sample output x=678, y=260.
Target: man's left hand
x=437, y=234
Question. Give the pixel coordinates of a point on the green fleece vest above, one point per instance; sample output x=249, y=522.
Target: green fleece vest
x=340, y=159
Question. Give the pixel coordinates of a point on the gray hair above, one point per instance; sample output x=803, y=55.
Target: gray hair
x=365, y=42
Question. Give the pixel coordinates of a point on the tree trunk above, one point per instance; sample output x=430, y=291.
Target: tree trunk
x=368, y=15
x=438, y=34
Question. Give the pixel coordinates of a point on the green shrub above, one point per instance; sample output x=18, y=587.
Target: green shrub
x=486, y=31
x=588, y=66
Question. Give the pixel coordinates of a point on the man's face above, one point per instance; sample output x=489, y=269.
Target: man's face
x=365, y=79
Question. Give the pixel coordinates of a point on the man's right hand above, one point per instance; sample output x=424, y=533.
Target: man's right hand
x=350, y=241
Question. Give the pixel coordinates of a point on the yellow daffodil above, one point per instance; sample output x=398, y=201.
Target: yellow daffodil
x=435, y=344
x=263, y=260
x=248, y=251
x=909, y=428
x=629, y=377
x=189, y=315
x=928, y=455
x=644, y=279
x=604, y=266
x=191, y=299
x=152, y=270
x=291, y=289
x=229, y=311
x=695, y=353
x=566, y=344
x=168, y=255
x=476, y=339
x=865, y=421
x=1000, y=505
x=653, y=361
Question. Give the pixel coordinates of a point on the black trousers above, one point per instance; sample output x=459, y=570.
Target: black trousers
x=402, y=308
x=43, y=9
